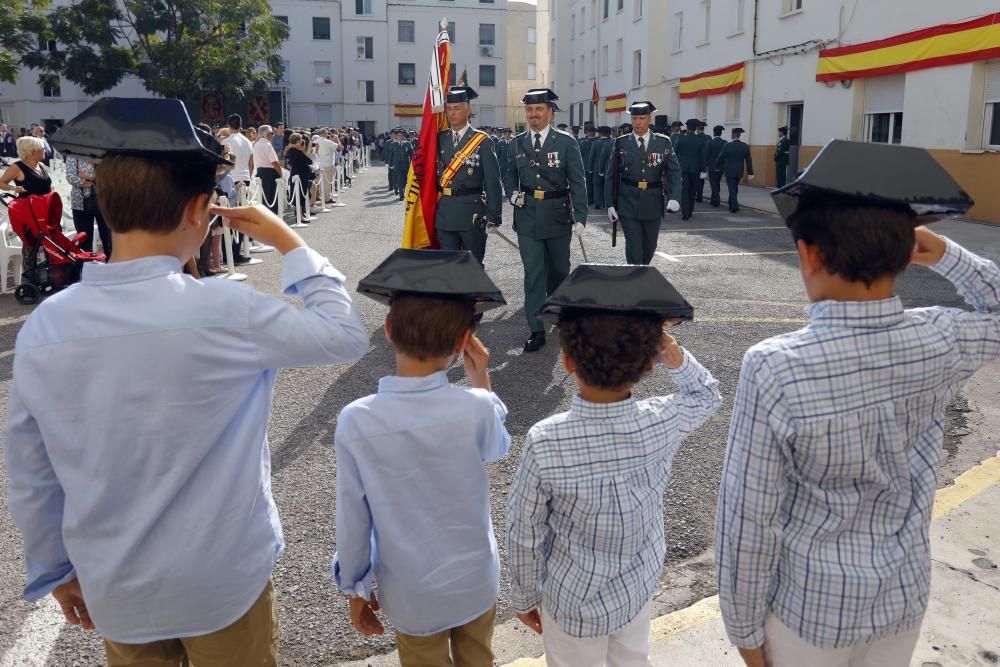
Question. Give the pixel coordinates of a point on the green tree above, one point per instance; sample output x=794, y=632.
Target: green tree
x=175, y=47
x=20, y=30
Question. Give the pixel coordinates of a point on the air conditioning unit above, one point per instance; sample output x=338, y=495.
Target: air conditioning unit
x=486, y=51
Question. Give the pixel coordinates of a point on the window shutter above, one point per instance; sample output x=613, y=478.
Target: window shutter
x=884, y=94
x=993, y=81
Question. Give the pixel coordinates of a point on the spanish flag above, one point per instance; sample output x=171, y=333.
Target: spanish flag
x=421, y=184
x=713, y=82
x=614, y=103
x=950, y=44
x=407, y=110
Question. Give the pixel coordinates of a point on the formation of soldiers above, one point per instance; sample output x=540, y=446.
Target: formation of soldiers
x=397, y=153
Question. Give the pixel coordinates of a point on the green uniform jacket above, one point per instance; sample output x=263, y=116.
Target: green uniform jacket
x=782, y=150
x=586, y=146
x=597, y=157
x=731, y=159
x=557, y=166
x=454, y=214
x=690, y=153
x=503, y=147
x=389, y=152
x=401, y=158
x=712, y=149
x=659, y=164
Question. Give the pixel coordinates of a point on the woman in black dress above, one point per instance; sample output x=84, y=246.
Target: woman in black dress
x=28, y=174
x=300, y=165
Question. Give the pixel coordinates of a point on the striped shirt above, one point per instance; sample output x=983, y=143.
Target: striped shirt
x=832, y=466
x=585, y=516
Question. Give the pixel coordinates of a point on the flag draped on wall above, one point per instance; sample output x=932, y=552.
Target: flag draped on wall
x=421, y=184
x=614, y=103
x=713, y=82
x=951, y=44
x=407, y=110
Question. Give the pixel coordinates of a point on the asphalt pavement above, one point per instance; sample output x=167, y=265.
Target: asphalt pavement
x=740, y=273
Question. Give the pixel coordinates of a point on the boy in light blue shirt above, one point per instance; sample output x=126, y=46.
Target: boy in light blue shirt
x=413, y=497
x=136, y=436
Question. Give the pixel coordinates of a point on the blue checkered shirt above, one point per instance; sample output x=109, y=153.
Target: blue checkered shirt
x=832, y=464
x=585, y=516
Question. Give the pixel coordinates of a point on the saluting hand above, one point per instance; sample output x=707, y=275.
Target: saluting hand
x=671, y=353
x=476, y=357
x=929, y=247
x=259, y=223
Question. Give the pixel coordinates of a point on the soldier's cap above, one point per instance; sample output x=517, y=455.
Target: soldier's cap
x=604, y=129
x=783, y=128
x=676, y=123
x=863, y=174
x=562, y=126
x=693, y=123
x=719, y=128
x=449, y=273
x=605, y=288
x=644, y=108
x=575, y=128
x=458, y=94
x=738, y=130
x=625, y=127
x=539, y=96
x=155, y=128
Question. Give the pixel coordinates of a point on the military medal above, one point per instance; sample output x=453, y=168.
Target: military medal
x=470, y=171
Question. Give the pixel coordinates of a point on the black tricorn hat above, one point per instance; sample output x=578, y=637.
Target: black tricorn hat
x=644, y=108
x=432, y=273
x=152, y=127
x=604, y=129
x=848, y=172
x=617, y=289
x=738, y=130
x=458, y=94
x=539, y=96
x=625, y=127
x=693, y=123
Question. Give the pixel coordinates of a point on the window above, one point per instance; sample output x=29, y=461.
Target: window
x=487, y=34
x=884, y=109
x=366, y=48
x=572, y=70
x=583, y=19
x=607, y=6
x=552, y=51
x=451, y=32
x=324, y=115
x=366, y=91
x=50, y=45
x=789, y=6
x=604, y=60
x=678, y=31
x=51, y=87
x=619, y=55
x=991, y=135
x=321, y=27
x=637, y=10
x=487, y=75
x=736, y=16
x=637, y=68
x=407, y=74
x=406, y=31
x=453, y=75
x=363, y=7
x=283, y=19
x=572, y=26
x=486, y=2
x=706, y=8
x=593, y=13
x=286, y=71
x=583, y=66
x=734, y=101
x=593, y=63
x=621, y=5
x=701, y=107
x=532, y=36
x=532, y=72
x=321, y=70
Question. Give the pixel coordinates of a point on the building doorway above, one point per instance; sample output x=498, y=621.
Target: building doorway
x=794, y=113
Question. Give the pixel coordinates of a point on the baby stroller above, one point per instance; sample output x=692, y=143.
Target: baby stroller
x=37, y=221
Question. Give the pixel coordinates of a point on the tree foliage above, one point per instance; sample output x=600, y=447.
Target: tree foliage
x=20, y=29
x=177, y=48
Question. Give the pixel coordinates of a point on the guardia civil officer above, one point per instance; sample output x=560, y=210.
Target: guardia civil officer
x=689, y=149
x=401, y=163
x=547, y=184
x=599, y=154
x=730, y=161
x=712, y=149
x=781, y=154
x=586, y=148
x=642, y=175
x=699, y=194
x=389, y=156
x=468, y=177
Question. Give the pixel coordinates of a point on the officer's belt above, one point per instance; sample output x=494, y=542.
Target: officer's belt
x=460, y=192
x=643, y=185
x=548, y=194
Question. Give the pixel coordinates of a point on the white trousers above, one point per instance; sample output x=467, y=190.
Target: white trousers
x=784, y=648
x=628, y=647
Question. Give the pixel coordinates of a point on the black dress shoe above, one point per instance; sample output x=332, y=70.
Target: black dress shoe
x=535, y=341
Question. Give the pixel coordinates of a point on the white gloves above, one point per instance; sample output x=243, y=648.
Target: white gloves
x=749, y=177
x=613, y=214
x=578, y=228
x=517, y=199
x=673, y=206
x=703, y=175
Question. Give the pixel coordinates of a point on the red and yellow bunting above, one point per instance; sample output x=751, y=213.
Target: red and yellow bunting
x=950, y=44
x=713, y=82
x=615, y=103
x=408, y=110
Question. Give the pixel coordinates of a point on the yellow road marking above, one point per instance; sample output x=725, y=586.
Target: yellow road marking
x=682, y=620
x=967, y=486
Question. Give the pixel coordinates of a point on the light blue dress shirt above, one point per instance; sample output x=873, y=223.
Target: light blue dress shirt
x=832, y=465
x=136, y=437
x=585, y=515
x=413, y=501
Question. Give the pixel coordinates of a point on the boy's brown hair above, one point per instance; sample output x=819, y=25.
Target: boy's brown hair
x=610, y=350
x=149, y=194
x=859, y=243
x=428, y=327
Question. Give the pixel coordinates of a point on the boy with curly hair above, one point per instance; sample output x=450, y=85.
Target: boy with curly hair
x=585, y=515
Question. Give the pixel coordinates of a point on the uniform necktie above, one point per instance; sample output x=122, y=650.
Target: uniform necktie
x=642, y=144
x=538, y=141
x=457, y=138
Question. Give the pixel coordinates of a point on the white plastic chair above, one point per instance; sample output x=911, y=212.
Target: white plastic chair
x=10, y=259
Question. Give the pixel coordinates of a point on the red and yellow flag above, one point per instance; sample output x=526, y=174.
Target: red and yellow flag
x=595, y=97
x=421, y=184
x=713, y=82
x=407, y=110
x=614, y=103
x=950, y=44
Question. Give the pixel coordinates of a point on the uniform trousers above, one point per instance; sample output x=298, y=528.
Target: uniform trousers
x=734, y=193
x=392, y=180
x=467, y=645
x=627, y=647
x=251, y=641
x=689, y=191
x=641, y=237
x=784, y=648
x=700, y=192
x=546, y=265
x=473, y=240
x=590, y=187
x=715, y=183
x=782, y=173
